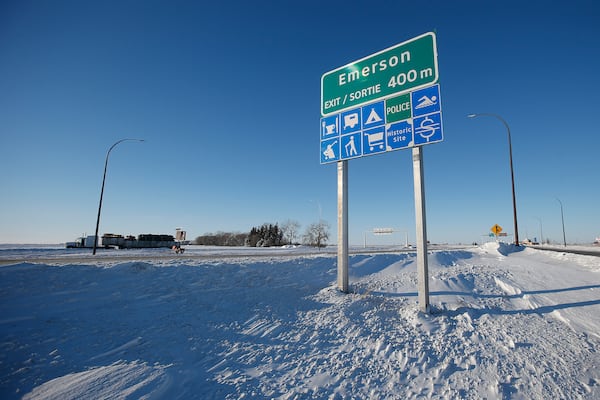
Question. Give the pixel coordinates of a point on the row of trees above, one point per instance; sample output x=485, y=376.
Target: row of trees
x=221, y=239
x=268, y=235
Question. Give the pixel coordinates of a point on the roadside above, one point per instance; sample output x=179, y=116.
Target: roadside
x=583, y=250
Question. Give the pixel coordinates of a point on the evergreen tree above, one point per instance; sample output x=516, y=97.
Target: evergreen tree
x=265, y=236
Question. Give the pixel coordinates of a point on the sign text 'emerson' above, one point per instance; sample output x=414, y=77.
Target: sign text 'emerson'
x=400, y=68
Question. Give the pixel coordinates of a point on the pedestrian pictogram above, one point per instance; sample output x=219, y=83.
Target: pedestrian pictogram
x=351, y=145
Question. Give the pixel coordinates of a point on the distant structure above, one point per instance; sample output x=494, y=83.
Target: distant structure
x=82, y=242
x=180, y=235
x=145, y=241
x=529, y=242
x=110, y=240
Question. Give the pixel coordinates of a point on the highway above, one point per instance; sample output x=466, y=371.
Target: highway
x=192, y=254
x=208, y=253
x=583, y=250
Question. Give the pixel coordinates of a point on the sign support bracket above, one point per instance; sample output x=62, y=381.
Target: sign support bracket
x=342, y=217
x=421, y=233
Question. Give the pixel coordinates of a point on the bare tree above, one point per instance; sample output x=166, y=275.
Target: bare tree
x=317, y=234
x=290, y=230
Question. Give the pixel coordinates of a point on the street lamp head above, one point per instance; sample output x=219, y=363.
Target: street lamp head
x=471, y=115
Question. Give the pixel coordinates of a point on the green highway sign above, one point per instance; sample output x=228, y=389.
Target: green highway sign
x=401, y=68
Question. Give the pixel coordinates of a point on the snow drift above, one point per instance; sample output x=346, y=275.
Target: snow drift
x=504, y=324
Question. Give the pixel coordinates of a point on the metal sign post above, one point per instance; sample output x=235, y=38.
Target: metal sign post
x=422, y=266
x=342, y=208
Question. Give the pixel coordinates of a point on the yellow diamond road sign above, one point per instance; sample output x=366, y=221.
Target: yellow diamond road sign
x=496, y=229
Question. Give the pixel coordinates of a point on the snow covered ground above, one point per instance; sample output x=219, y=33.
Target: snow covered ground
x=505, y=324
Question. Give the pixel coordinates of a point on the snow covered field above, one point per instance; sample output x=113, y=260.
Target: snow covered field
x=505, y=324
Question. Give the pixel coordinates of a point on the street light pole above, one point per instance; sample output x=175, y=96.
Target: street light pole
x=541, y=231
x=320, y=210
x=562, y=217
x=512, y=173
x=102, y=190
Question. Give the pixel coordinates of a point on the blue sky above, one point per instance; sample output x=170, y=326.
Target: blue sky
x=226, y=96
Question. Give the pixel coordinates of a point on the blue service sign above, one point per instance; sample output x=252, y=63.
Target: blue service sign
x=399, y=135
x=374, y=140
x=351, y=121
x=373, y=115
x=351, y=146
x=426, y=101
x=428, y=129
x=330, y=127
x=364, y=130
x=330, y=150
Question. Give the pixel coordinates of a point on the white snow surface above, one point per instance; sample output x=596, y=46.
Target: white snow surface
x=505, y=323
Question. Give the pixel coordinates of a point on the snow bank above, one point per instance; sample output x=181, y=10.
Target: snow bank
x=118, y=380
x=504, y=324
x=501, y=248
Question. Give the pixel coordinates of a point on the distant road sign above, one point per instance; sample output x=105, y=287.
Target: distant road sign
x=496, y=229
x=398, y=69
